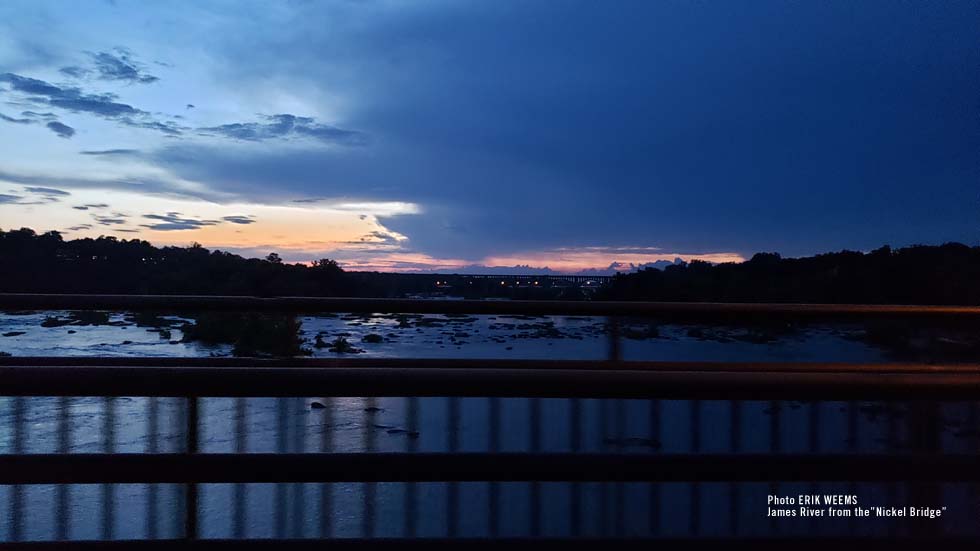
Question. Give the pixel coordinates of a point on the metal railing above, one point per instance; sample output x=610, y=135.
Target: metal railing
x=612, y=381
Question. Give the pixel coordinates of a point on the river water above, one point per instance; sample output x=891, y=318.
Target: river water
x=135, y=424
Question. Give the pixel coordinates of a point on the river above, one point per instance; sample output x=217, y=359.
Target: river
x=135, y=424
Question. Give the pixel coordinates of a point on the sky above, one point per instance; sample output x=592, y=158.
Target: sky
x=459, y=135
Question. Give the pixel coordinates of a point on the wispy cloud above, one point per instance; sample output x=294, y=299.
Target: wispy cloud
x=75, y=100
x=15, y=121
x=91, y=206
x=236, y=219
x=47, y=191
x=174, y=221
x=109, y=220
x=285, y=126
x=62, y=130
x=118, y=65
x=109, y=152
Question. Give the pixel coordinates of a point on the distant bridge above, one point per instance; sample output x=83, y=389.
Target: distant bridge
x=409, y=282
x=597, y=280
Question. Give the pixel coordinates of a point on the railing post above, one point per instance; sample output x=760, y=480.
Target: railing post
x=925, y=418
x=108, y=490
x=190, y=509
x=17, y=492
x=63, y=511
x=615, y=351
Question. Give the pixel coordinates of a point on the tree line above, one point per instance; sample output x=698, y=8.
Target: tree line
x=921, y=274
x=47, y=263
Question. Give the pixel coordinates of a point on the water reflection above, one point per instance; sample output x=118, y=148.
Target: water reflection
x=249, y=425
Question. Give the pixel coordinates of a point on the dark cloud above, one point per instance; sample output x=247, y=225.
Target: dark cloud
x=142, y=184
x=117, y=65
x=286, y=126
x=120, y=66
x=36, y=115
x=35, y=195
x=74, y=71
x=91, y=206
x=378, y=237
x=790, y=127
x=74, y=99
x=190, y=106
x=47, y=191
x=110, y=152
x=797, y=127
x=166, y=127
x=81, y=227
x=109, y=220
x=174, y=221
x=247, y=219
x=62, y=130
x=16, y=121
x=70, y=98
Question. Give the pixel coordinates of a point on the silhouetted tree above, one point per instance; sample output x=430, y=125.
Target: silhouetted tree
x=920, y=274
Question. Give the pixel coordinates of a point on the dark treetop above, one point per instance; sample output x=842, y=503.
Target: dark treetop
x=46, y=263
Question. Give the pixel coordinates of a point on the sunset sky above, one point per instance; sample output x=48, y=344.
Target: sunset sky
x=450, y=135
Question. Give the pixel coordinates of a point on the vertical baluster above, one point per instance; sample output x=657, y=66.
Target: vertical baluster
x=654, y=430
x=926, y=438
x=108, y=490
x=411, y=488
x=241, y=446
x=615, y=350
x=17, y=492
x=695, y=507
x=775, y=441
x=282, y=445
x=852, y=446
x=494, y=445
x=152, y=446
x=535, y=505
x=774, y=447
x=972, y=425
x=735, y=444
x=367, y=519
x=191, y=490
x=619, y=510
x=63, y=512
x=299, y=446
x=326, y=490
x=604, y=486
x=813, y=422
x=452, y=492
x=179, y=516
x=891, y=437
x=575, y=444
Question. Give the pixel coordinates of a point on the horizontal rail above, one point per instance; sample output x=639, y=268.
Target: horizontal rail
x=491, y=467
x=680, y=311
x=810, y=543
x=466, y=363
x=424, y=381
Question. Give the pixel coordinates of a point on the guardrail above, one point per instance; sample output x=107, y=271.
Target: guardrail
x=195, y=378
